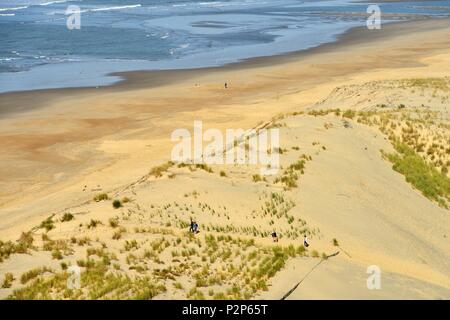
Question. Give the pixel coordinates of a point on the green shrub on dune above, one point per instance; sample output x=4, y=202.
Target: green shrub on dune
x=426, y=178
x=117, y=204
x=101, y=197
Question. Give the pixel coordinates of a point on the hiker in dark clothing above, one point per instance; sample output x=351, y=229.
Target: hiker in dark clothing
x=274, y=237
x=195, y=228
x=191, y=227
x=305, y=241
x=226, y=85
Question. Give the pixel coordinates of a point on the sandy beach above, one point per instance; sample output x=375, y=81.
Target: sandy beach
x=63, y=147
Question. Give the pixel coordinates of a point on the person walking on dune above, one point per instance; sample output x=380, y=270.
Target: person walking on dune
x=195, y=228
x=274, y=237
x=305, y=241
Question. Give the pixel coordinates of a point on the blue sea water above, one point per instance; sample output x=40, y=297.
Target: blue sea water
x=38, y=51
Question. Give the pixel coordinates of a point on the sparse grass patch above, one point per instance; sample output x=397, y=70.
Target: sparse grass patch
x=47, y=224
x=178, y=286
x=7, y=280
x=33, y=273
x=290, y=176
x=158, y=171
x=350, y=114
x=67, y=217
x=196, y=166
x=427, y=179
x=93, y=224
x=101, y=197
x=56, y=246
x=56, y=254
x=96, y=283
x=257, y=178
x=118, y=234
x=114, y=222
x=22, y=245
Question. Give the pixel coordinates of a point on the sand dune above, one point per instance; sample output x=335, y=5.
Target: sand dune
x=80, y=144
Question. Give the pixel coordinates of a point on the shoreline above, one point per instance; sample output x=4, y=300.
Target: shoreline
x=140, y=79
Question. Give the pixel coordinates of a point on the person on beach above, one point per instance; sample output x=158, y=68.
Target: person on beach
x=195, y=227
x=305, y=241
x=274, y=237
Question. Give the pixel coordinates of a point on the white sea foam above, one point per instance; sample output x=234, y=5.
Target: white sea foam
x=227, y=4
x=53, y=2
x=99, y=9
x=7, y=14
x=208, y=3
x=13, y=9
x=113, y=8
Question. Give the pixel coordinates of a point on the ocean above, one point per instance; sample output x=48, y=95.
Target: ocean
x=39, y=51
